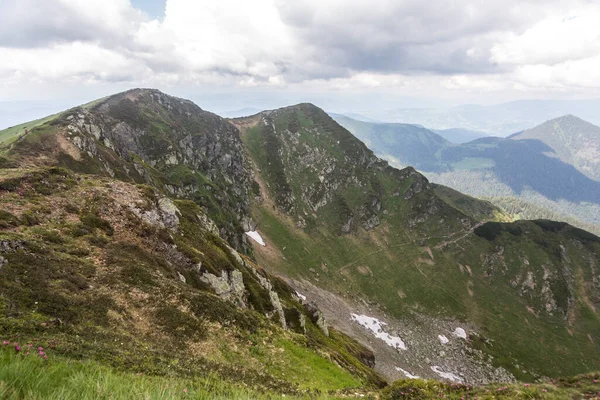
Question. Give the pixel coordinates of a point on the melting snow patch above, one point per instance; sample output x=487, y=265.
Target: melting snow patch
x=443, y=339
x=407, y=374
x=303, y=297
x=447, y=375
x=254, y=235
x=375, y=326
x=460, y=332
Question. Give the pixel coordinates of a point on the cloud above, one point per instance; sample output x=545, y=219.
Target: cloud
x=386, y=44
x=32, y=23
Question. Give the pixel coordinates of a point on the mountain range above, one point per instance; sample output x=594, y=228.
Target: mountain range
x=551, y=169
x=499, y=120
x=278, y=252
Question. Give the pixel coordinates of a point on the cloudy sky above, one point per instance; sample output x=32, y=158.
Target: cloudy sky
x=341, y=53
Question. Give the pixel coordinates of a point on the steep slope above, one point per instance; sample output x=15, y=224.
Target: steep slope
x=573, y=140
x=148, y=137
x=393, y=141
x=386, y=246
x=108, y=251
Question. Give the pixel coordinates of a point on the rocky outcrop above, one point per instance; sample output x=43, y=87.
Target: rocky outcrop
x=229, y=286
x=317, y=317
x=152, y=132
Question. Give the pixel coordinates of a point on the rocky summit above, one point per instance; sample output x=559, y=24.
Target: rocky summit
x=277, y=253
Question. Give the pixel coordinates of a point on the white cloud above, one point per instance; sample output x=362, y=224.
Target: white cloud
x=408, y=46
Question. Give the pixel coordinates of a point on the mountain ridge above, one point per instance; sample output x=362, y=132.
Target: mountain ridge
x=381, y=240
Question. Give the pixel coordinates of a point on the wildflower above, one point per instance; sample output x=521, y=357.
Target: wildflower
x=17, y=348
x=526, y=384
x=595, y=380
x=40, y=348
x=6, y=343
x=45, y=357
x=41, y=353
x=184, y=390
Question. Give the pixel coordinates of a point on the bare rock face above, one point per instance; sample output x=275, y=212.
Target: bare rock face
x=273, y=297
x=317, y=317
x=148, y=130
x=229, y=286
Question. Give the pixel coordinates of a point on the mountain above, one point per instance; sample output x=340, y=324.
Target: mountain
x=459, y=135
x=275, y=252
x=521, y=166
x=573, y=140
x=345, y=229
x=113, y=249
x=388, y=140
x=498, y=120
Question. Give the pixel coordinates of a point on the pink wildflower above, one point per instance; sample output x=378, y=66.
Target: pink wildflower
x=40, y=348
x=17, y=348
x=184, y=390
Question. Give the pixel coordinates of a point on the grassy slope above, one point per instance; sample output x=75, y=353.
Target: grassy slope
x=94, y=278
x=30, y=377
x=397, y=261
x=11, y=134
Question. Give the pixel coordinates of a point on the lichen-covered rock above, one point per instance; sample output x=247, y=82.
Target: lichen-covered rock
x=229, y=286
x=169, y=212
x=317, y=317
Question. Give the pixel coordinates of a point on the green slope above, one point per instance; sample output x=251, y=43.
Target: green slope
x=109, y=253
x=410, y=240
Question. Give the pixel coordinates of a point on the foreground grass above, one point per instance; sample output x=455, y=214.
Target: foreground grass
x=31, y=377
x=585, y=386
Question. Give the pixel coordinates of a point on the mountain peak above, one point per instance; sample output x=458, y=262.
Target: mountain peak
x=573, y=139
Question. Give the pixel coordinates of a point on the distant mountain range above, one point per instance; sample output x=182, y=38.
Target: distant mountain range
x=555, y=165
x=499, y=120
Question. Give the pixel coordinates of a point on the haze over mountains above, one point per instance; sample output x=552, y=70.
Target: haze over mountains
x=498, y=120
x=554, y=165
x=279, y=231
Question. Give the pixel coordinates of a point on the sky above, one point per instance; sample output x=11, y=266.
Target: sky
x=347, y=55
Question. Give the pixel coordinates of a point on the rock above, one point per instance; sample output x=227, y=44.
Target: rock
x=317, y=317
x=229, y=286
x=273, y=297
x=181, y=277
x=169, y=213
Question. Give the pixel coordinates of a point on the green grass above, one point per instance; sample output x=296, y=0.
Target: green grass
x=578, y=387
x=10, y=134
x=30, y=377
x=307, y=369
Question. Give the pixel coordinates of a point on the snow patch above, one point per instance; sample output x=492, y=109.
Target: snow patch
x=376, y=326
x=303, y=297
x=447, y=375
x=254, y=235
x=407, y=374
x=460, y=332
x=443, y=339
